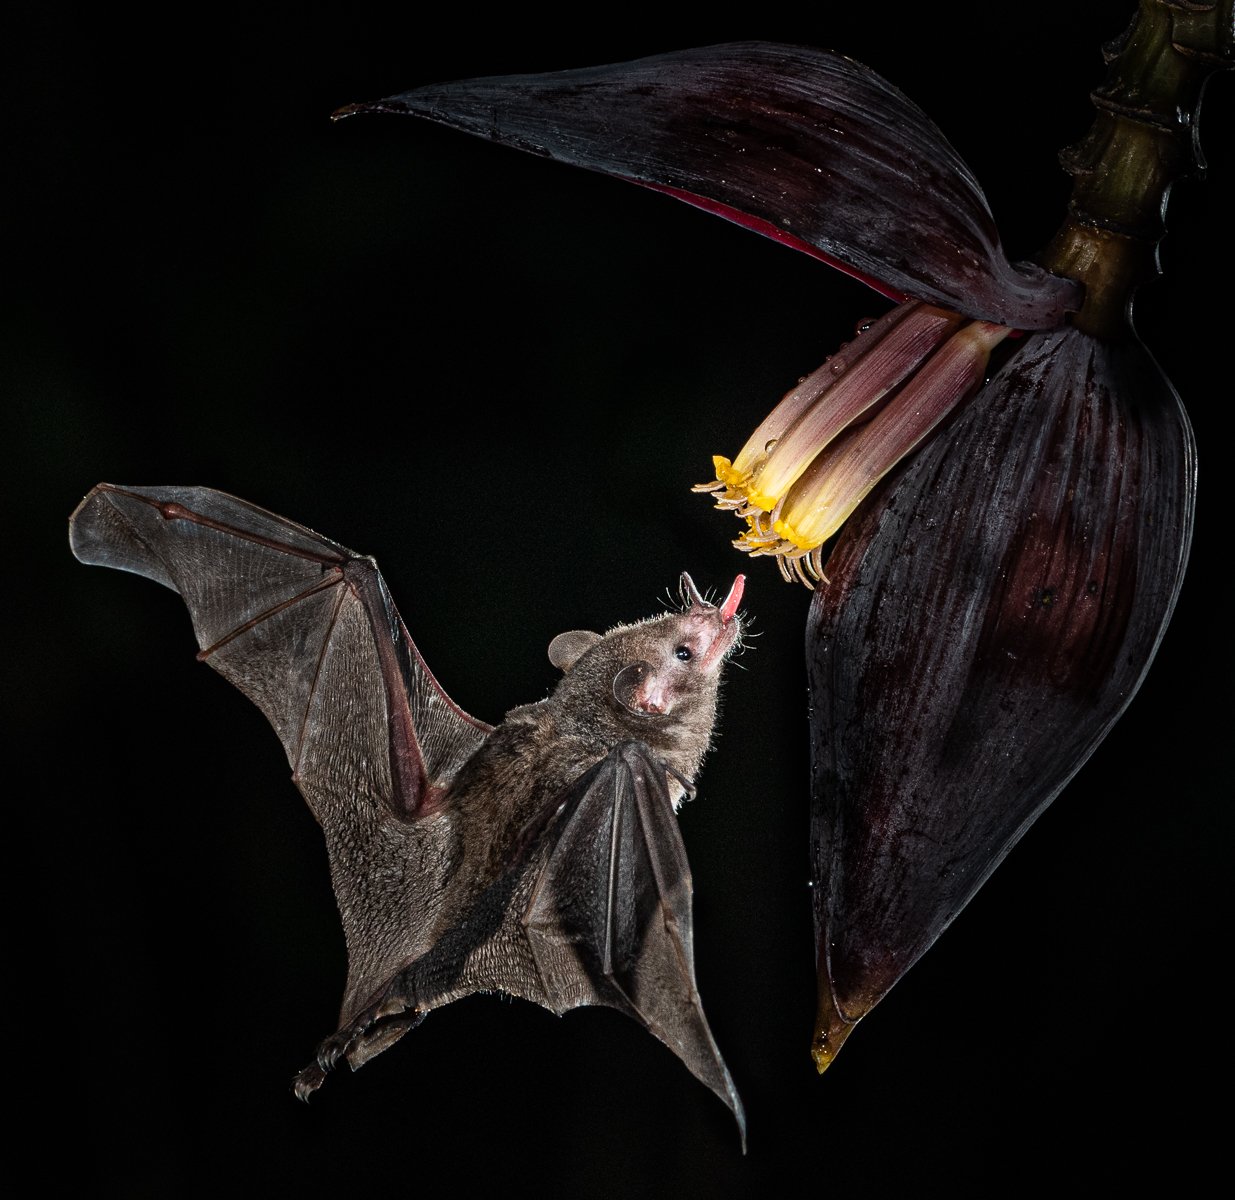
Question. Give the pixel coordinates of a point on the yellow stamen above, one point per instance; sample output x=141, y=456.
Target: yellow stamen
x=726, y=473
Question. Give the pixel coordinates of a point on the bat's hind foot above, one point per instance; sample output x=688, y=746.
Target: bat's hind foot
x=329, y=1053
x=308, y=1081
x=336, y=1048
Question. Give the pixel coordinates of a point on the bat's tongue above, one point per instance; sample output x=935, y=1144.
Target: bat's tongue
x=730, y=605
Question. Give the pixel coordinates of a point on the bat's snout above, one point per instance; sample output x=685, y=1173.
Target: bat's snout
x=692, y=598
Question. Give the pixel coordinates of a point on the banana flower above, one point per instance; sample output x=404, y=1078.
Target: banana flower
x=992, y=608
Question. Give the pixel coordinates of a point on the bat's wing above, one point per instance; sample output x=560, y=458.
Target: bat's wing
x=306, y=629
x=609, y=919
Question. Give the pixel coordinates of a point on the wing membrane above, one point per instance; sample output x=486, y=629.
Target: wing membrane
x=305, y=628
x=609, y=921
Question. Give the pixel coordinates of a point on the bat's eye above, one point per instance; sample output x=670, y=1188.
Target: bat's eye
x=683, y=653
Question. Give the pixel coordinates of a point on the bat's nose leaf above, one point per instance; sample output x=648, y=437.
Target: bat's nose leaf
x=691, y=596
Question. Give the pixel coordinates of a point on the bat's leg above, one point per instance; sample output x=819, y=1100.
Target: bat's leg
x=370, y=1032
x=381, y=1037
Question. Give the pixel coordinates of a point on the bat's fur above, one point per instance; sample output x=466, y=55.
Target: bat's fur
x=480, y=834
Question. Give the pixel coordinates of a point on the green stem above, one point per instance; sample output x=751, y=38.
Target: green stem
x=1143, y=139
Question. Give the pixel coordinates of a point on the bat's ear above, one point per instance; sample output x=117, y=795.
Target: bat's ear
x=565, y=649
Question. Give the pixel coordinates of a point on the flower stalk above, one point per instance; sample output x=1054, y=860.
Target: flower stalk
x=1143, y=139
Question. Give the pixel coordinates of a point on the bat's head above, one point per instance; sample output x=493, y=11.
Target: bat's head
x=656, y=681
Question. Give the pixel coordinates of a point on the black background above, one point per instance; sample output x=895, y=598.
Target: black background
x=501, y=376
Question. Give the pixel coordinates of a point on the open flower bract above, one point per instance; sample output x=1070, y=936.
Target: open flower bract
x=986, y=622
x=802, y=145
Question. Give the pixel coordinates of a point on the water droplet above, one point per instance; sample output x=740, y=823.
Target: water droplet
x=863, y=325
x=837, y=365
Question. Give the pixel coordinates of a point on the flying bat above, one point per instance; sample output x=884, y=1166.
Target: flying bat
x=540, y=858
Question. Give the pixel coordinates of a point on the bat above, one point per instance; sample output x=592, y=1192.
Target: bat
x=540, y=859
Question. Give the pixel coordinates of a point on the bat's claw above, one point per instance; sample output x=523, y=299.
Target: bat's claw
x=337, y=1046
x=333, y=1049
x=308, y=1081
x=329, y=1053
